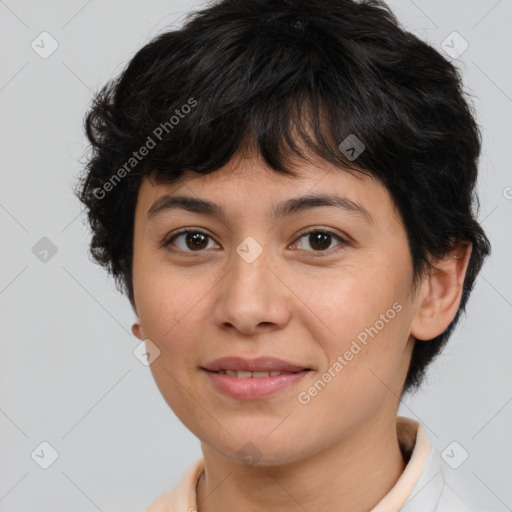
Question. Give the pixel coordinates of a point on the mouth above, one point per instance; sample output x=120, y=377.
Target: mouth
x=254, y=378
x=260, y=365
x=257, y=385
x=242, y=374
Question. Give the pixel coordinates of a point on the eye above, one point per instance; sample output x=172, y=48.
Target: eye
x=193, y=239
x=320, y=240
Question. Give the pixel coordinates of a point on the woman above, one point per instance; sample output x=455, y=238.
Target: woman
x=275, y=188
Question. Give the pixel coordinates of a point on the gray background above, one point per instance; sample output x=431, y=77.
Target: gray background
x=68, y=373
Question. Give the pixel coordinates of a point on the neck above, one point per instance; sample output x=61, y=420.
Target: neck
x=351, y=475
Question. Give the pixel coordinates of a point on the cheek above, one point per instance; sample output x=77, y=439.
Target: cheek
x=168, y=306
x=347, y=300
x=165, y=298
x=360, y=316
x=172, y=310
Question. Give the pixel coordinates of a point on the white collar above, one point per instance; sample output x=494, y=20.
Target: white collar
x=420, y=488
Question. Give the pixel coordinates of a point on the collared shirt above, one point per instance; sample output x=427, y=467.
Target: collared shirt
x=420, y=488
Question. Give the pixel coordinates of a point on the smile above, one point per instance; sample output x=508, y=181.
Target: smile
x=245, y=385
x=241, y=374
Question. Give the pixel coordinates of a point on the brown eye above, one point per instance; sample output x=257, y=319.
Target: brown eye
x=192, y=240
x=320, y=240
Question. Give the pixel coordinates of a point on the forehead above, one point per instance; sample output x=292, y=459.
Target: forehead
x=248, y=184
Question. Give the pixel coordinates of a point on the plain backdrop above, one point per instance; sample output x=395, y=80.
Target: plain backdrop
x=68, y=374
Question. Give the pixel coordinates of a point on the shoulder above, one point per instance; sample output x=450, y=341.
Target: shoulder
x=182, y=498
x=161, y=504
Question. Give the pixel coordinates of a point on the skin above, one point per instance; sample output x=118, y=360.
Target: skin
x=198, y=306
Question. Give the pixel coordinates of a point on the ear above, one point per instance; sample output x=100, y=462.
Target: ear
x=440, y=294
x=137, y=330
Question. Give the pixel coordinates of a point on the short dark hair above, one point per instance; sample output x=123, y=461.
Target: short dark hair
x=269, y=74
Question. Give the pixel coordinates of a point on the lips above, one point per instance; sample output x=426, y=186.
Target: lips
x=258, y=365
x=242, y=374
x=247, y=386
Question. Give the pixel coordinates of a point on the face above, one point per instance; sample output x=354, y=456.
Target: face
x=323, y=287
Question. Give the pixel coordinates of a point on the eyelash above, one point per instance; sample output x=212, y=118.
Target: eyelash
x=169, y=240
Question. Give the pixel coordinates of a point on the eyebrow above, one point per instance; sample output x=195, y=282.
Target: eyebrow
x=281, y=210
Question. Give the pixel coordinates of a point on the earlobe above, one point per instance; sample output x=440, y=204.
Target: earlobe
x=137, y=330
x=441, y=293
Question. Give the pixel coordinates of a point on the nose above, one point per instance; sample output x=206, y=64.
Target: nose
x=252, y=296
